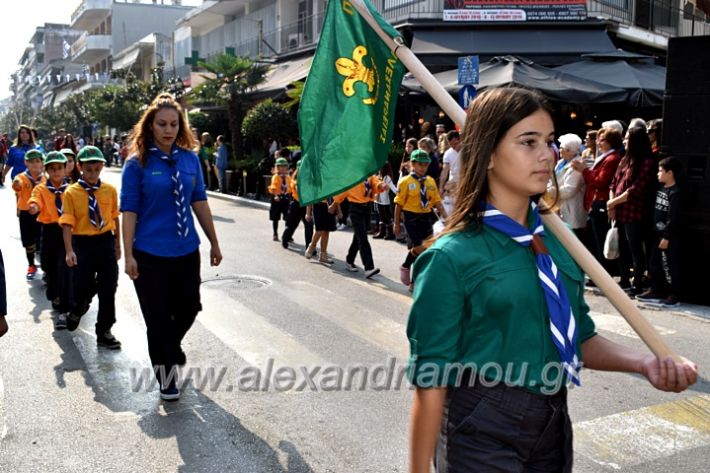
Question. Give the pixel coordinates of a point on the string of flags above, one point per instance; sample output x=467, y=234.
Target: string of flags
x=36, y=79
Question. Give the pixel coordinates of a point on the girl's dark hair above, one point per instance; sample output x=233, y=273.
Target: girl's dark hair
x=638, y=150
x=671, y=164
x=386, y=170
x=489, y=118
x=29, y=132
x=142, y=135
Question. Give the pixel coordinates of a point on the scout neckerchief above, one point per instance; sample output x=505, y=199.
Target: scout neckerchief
x=33, y=181
x=368, y=187
x=178, y=191
x=94, y=211
x=562, y=323
x=284, y=185
x=58, y=191
x=422, y=188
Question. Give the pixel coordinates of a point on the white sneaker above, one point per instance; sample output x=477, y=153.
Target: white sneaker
x=309, y=253
x=351, y=267
x=371, y=272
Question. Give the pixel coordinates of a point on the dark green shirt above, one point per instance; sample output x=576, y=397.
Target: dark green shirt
x=478, y=303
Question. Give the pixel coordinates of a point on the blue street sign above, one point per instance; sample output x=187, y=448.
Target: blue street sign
x=468, y=70
x=466, y=95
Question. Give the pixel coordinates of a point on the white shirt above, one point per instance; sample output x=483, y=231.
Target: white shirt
x=383, y=198
x=571, y=188
x=451, y=157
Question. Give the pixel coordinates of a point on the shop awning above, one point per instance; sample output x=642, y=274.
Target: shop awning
x=283, y=74
x=441, y=47
x=127, y=60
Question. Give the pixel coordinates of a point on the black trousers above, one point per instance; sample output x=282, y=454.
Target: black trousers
x=504, y=429
x=360, y=218
x=168, y=290
x=54, y=266
x=631, y=253
x=384, y=214
x=297, y=214
x=665, y=268
x=96, y=272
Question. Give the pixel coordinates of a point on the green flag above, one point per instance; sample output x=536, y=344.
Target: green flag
x=345, y=118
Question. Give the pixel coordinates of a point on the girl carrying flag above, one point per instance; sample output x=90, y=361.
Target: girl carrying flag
x=499, y=324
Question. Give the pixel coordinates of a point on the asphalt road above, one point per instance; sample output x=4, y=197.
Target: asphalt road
x=67, y=407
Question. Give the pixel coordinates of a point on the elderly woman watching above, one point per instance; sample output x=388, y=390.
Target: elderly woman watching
x=570, y=184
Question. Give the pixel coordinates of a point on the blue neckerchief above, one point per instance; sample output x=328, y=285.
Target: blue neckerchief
x=33, y=181
x=422, y=188
x=178, y=191
x=58, y=191
x=368, y=187
x=562, y=323
x=284, y=186
x=561, y=165
x=94, y=210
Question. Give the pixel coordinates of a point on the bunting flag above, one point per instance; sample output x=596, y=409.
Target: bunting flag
x=345, y=118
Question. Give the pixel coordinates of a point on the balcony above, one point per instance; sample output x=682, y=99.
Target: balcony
x=90, y=13
x=89, y=49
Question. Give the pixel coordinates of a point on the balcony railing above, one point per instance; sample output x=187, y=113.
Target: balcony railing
x=89, y=47
x=657, y=16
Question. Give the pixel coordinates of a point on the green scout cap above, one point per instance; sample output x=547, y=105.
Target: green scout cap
x=66, y=151
x=34, y=154
x=420, y=156
x=281, y=162
x=89, y=154
x=55, y=157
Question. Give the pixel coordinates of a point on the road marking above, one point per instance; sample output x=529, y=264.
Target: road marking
x=250, y=335
x=3, y=431
x=362, y=322
x=618, y=325
x=382, y=289
x=644, y=435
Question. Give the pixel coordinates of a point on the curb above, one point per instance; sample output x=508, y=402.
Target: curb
x=238, y=200
x=698, y=312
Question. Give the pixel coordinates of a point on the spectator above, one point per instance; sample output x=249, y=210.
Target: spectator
x=404, y=168
x=590, y=151
x=627, y=206
x=570, y=186
x=598, y=179
x=655, y=132
x=429, y=145
x=206, y=155
x=221, y=163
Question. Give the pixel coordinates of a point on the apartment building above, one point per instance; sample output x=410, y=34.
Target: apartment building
x=286, y=31
x=47, y=51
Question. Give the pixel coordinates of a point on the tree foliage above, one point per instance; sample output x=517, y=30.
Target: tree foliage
x=269, y=120
x=229, y=81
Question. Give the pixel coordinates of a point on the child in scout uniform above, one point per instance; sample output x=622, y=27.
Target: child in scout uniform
x=417, y=196
x=296, y=214
x=23, y=184
x=46, y=203
x=92, y=242
x=359, y=198
x=499, y=325
x=280, y=190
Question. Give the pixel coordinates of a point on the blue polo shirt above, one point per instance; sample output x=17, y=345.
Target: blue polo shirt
x=16, y=158
x=148, y=192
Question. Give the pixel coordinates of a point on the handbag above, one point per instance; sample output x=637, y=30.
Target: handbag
x=611, y=243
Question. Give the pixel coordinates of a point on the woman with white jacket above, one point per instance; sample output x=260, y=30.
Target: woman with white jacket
x=571, y=185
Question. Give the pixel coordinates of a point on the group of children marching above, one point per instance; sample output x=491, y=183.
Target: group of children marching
x=66, y=211
x=417, y=196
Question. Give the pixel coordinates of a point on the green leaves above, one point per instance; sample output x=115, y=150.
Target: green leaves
x=269, y=120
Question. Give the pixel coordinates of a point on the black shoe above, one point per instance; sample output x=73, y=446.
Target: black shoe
x=372, y=272
x=107, y=340
x=284, y=243
x=650, y=297
x=670, y=302
x=181, y=359
x=73, y=321
x=171, y=393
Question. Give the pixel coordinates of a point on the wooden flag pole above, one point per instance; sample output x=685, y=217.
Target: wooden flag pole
x=581, y=255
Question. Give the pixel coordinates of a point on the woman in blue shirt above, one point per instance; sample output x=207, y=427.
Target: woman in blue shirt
x=161, y=183
x=16, y=155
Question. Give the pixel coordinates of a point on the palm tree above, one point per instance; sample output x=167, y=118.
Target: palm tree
x=231, y=79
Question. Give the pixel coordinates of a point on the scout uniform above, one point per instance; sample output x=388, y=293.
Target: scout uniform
x=418, y=196
x=360, y=197
x=48, y=200
x=479, y=304
x=23, y=184
x=280, y=190
x=91, y=210
x=296, y=214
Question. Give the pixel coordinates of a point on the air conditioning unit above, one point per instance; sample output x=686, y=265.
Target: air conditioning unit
x=296, y=40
